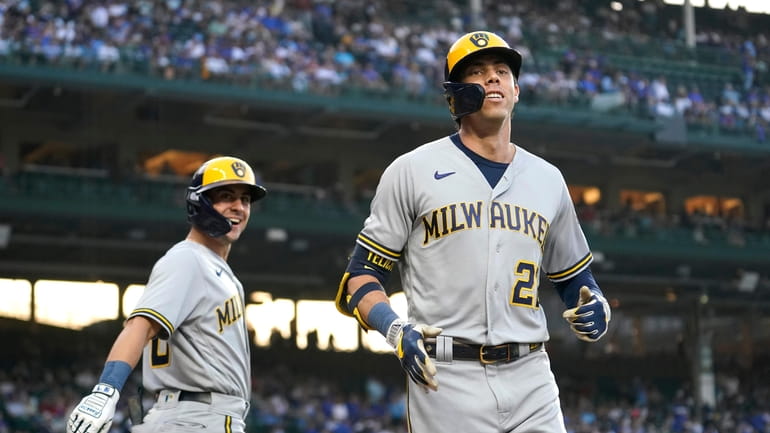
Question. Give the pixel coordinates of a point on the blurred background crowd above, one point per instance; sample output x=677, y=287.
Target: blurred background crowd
x=397, y=48
x=625, y=57
x=36, y=396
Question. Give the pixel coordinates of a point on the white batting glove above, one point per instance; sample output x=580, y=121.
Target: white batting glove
x=95, y=411
x=408, y=340
x=590, y=318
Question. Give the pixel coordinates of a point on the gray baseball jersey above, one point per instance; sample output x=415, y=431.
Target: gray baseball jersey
x=204, y=343
x=470, y=255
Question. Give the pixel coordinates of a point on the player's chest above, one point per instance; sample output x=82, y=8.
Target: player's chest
x=469, y=205
x=475, y=204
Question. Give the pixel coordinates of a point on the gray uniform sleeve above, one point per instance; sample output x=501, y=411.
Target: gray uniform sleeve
x=167, y=298
x=387, y=228
x=566, y=251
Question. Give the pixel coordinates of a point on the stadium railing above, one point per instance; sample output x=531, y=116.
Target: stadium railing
x=304, y=209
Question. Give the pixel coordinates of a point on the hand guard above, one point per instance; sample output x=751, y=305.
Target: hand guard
x=95, y=411
x=589, y=320
x=408, y=340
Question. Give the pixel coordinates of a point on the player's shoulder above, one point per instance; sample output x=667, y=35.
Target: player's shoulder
x=183, y=252
x=425, y=152
x=535, y=162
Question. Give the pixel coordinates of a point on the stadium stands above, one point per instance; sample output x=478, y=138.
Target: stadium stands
x=601, y=68
x=299, y=48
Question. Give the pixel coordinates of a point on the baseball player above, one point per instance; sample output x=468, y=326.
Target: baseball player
x=472, y=219
x=189, y=322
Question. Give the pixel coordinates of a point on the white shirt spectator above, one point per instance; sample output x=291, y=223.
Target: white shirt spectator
x=386, y=47
x=659, y=89
x=100, y=17
x=237, y=54
x=682, y=104
x=108, y=53
x=217, y=65
x=764, y=112
x=117, y=9
x=664, y=108
x=327, y=75
x=195, y=49
x=425, y=56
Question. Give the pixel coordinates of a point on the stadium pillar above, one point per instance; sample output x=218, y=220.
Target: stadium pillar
x=476, y=17
x=746, y=349
x=126, y=161
x=638, y=347
x=755, y=208
x=689, y=24
x=346, y=181
x=703, y=362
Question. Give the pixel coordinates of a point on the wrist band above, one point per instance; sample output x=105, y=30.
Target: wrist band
x=115, y=374
x=381, y=316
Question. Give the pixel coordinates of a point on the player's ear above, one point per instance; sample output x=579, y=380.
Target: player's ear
x=516, y=90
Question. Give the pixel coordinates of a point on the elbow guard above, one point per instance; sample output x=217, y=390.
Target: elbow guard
x=362, y=262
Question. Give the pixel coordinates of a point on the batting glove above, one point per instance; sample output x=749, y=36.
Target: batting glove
x=409, y=342
x=95, y=411
x=590, y=318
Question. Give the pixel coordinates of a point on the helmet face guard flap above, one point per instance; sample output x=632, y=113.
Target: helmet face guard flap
x=461, y=101
x=463, y=98
x=212, y=174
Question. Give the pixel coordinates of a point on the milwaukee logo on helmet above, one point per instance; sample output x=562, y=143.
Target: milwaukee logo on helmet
x=238, y=169
x=480, y=40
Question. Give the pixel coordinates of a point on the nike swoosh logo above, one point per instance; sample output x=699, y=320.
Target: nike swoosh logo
x=219, y=271
x=368, y=267
x=439, y=176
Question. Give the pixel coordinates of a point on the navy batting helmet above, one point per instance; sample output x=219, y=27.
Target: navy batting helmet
x=221, y=171
x=465, y=98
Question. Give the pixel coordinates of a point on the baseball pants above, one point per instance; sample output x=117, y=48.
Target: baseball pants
x=222, y=414
x=514, y=397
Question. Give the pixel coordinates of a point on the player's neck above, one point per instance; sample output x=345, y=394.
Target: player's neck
x=218, y=246
x=494, y=146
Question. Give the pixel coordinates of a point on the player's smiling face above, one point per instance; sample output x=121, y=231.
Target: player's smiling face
x=234, y=203
x=496, y=77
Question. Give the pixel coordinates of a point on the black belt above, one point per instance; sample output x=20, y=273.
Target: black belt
x=479, y=352
x=200, y=397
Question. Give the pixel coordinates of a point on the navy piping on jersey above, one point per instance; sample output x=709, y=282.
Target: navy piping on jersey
x=491, y=170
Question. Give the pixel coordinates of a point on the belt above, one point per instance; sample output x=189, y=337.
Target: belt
x=200, y=397
x=500, y=353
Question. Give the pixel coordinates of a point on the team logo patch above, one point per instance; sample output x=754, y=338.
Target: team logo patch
x=239, y=169
x=480, y=40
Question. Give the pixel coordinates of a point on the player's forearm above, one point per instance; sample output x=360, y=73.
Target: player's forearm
x=131, y=341
x=370, y=299
x=374, y=306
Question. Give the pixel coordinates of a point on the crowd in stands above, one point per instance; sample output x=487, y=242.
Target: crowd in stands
x=698, y=226
x=36, y=397
x=396, y=49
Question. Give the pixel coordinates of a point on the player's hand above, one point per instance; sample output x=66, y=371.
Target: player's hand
x=410, y=349
x=590, y=318
x=95, y=411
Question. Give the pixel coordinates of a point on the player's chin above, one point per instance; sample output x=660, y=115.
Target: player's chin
x=497, y=109
x=234, y=234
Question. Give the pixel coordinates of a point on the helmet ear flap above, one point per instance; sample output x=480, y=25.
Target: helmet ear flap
x=201, y=213
x=463, y=98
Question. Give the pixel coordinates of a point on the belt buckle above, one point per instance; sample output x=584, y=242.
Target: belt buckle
x=490, y=361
